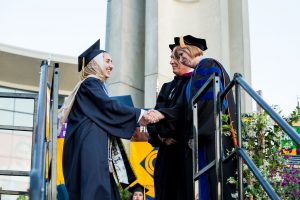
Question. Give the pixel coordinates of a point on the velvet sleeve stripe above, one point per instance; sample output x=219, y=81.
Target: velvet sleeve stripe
x=205, y=72
x=188, y=91
x=209, y=71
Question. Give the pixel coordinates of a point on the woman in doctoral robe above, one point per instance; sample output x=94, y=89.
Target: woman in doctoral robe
x=191, y=54
x=93, y=119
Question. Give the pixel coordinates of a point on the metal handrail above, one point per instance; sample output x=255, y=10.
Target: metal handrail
x=37, y=189
x=238, y=79
x=240, y=152
x=277, y=118
x=54, y=132
x=15, y=128
x=195, y=99
x=214, y=82
x=264, y=183
x=40, y=188
x=18, y=95
x=14, y=173
x=10, y=192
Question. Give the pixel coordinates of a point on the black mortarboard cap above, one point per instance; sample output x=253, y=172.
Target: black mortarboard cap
x=138, y=188
x=191, y=40
x=89, y=54
x=172, y=46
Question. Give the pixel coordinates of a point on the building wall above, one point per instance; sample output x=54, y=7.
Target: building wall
x=223, y=23
x=15, y=146
x=20, y=69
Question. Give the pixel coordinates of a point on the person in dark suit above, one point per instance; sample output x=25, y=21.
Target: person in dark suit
x=173, y=166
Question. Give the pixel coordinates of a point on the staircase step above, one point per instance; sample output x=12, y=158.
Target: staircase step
x=294, y=160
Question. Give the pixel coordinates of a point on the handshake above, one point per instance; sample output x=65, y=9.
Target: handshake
x=151, y=116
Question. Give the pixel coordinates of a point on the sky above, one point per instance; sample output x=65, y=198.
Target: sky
x=63, y=27
x=275, y=51
x=67, y=26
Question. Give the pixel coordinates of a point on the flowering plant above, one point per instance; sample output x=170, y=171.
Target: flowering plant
x=262, y=139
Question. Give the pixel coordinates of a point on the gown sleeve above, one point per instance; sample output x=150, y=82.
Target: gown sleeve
x=110, y=115
x=174, y=112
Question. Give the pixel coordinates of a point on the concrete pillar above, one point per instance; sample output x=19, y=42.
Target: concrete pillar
x=151, y=53
x=240, y=45
x=125, y=43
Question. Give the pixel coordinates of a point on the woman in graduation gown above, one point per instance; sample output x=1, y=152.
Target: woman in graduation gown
x=191, y=54
x=93, y=119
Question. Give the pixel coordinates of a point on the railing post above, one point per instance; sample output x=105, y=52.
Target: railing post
x=195, y=144
x=54, y=131
x=33, y=132
x=216, y=90
x=37, y=176
x=239, y=138
x=220, y=133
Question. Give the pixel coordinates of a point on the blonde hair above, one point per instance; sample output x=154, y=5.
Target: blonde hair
x=190, y=50
x=95, y=67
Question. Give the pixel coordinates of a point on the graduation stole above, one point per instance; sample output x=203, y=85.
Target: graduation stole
x=122, y=169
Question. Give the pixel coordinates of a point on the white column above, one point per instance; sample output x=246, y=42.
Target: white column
x=126, y=39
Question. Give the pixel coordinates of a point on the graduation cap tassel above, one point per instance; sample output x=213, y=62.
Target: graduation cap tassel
x=82, y=69
x=181, y=42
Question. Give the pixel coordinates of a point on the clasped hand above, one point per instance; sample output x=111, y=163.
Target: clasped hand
x=151, y=116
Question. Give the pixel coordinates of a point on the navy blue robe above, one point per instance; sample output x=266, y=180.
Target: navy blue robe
x=206, y=128
x=94, y=117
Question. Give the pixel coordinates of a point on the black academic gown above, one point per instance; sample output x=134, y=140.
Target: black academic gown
x=173, y=167
x=94, y=118
x=206, y=128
